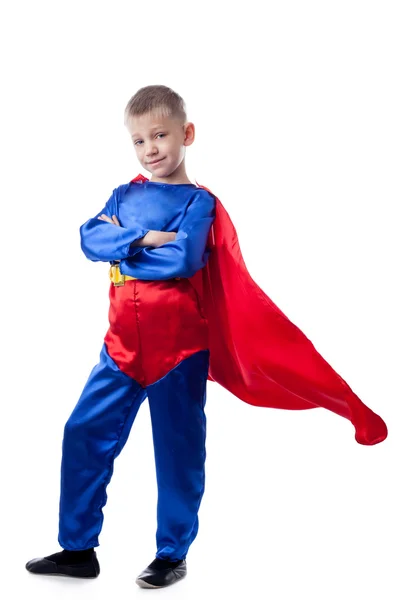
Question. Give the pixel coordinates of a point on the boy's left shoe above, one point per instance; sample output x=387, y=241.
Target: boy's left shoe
x=161, y=573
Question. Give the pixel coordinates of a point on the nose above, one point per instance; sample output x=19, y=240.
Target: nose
x=151, y=151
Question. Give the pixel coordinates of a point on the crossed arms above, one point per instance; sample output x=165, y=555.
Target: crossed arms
x=150, y=254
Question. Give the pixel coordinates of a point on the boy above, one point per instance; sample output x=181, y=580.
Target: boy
x=179, y=315
x=156, y=347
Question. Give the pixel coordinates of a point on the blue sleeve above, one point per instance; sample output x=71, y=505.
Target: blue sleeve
x=183, y=256
x=103, y=241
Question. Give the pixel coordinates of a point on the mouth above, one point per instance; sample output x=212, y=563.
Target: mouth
x=155, y=162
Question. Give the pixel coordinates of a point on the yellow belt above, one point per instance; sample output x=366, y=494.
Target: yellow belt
x=118, y=278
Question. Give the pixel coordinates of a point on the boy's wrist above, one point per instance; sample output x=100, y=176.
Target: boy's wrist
x=146, y=240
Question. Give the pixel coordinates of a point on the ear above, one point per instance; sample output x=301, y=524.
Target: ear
x=189, y=131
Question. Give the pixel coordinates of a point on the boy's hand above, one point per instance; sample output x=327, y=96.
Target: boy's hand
x=114, y=219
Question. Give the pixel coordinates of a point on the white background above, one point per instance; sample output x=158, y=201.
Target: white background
x=296, y=108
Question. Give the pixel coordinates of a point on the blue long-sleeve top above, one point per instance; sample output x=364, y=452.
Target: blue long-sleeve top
x=183, y=208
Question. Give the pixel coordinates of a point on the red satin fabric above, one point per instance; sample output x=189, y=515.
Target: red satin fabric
x=257, y=353
x=154, y=325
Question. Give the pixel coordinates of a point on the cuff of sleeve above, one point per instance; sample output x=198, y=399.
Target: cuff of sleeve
x=131, y=250
x=122, y=266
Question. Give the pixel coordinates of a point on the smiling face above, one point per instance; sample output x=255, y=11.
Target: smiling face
x=159, y=138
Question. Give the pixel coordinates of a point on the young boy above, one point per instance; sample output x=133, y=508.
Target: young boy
x=169, y=332
x=155, y=234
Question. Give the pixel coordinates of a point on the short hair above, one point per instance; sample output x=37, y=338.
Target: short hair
x=158, y=98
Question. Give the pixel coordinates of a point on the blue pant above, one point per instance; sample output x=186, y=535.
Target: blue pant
x=98, y=429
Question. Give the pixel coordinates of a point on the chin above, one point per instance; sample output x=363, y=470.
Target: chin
x=157, y=170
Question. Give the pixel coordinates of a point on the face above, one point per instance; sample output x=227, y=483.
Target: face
x=162, y=139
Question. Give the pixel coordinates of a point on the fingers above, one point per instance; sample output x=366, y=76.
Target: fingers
x=105, y=218
x=114, y=219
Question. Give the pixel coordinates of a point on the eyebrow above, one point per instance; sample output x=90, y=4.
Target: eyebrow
x=152, y=129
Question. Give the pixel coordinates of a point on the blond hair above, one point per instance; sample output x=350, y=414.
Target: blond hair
x=159, y=99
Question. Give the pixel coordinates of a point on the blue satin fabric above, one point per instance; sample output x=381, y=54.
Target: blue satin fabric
x=182, y=208
x=97, y=431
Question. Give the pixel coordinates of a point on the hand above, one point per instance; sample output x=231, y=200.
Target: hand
x=114, y=219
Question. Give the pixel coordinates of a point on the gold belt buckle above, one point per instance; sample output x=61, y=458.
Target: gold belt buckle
x=116, y=276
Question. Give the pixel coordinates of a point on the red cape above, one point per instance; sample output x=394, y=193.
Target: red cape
x=256, y=352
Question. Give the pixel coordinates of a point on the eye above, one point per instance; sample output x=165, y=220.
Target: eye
x=137, y=141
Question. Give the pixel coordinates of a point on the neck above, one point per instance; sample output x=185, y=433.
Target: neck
x=176, y=177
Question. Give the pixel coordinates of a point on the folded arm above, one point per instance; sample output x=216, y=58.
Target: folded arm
x=103, y=241
x=183, y=256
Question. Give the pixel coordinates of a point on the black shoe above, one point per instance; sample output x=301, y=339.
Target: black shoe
x=59, y=564
x=161, y=573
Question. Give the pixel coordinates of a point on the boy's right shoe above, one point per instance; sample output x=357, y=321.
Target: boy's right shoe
x=67, y=564
x=161, y=573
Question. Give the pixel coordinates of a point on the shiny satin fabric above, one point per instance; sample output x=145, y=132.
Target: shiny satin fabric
x=256, y=352
x=146, y=205
x=97, y=431
x=153, y=326
x=156, y=347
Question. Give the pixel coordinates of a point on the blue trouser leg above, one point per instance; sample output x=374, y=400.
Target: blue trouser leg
x=94, y=435
x=179, y=433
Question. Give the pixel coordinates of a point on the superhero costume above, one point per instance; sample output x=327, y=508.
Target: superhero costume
x=156, y=347
x=190, y=312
